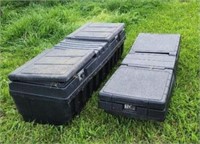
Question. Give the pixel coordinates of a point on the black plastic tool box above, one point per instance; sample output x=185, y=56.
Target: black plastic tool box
x=142, y=86
x=55, y=85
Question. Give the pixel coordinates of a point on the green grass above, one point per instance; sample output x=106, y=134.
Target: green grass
x=27, y=28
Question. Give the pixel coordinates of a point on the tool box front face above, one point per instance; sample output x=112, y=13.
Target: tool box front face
x=55, y=85
x=141, y=87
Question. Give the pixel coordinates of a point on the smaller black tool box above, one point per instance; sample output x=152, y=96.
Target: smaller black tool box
x=55, y=85
x=141, y=87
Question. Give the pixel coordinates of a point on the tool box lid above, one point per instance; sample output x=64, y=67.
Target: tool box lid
x=162, y=61
x=53, y=65
x=138, y=86
x=97, y=31
x=156, y=43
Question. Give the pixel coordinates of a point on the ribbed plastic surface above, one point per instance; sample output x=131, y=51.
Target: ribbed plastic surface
x=98, y=46
x=97, y=31
x=57, y=65
x=82, y=44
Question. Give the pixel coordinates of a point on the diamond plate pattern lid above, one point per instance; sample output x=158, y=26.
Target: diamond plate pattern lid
x=55, y=65
x=97, y=31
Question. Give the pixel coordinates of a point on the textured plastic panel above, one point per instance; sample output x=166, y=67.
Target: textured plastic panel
x=156, y=43
x=150, y=60
x=57, y=65
x=97, y=31
x=138, y=85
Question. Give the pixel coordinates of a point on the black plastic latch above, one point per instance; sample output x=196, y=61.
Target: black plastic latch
x=81, y=74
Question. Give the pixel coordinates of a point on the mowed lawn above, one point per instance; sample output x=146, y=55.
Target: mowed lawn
x=27, y=28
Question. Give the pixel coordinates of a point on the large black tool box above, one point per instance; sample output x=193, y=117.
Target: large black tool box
x=142, y=86
x=55, y=85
